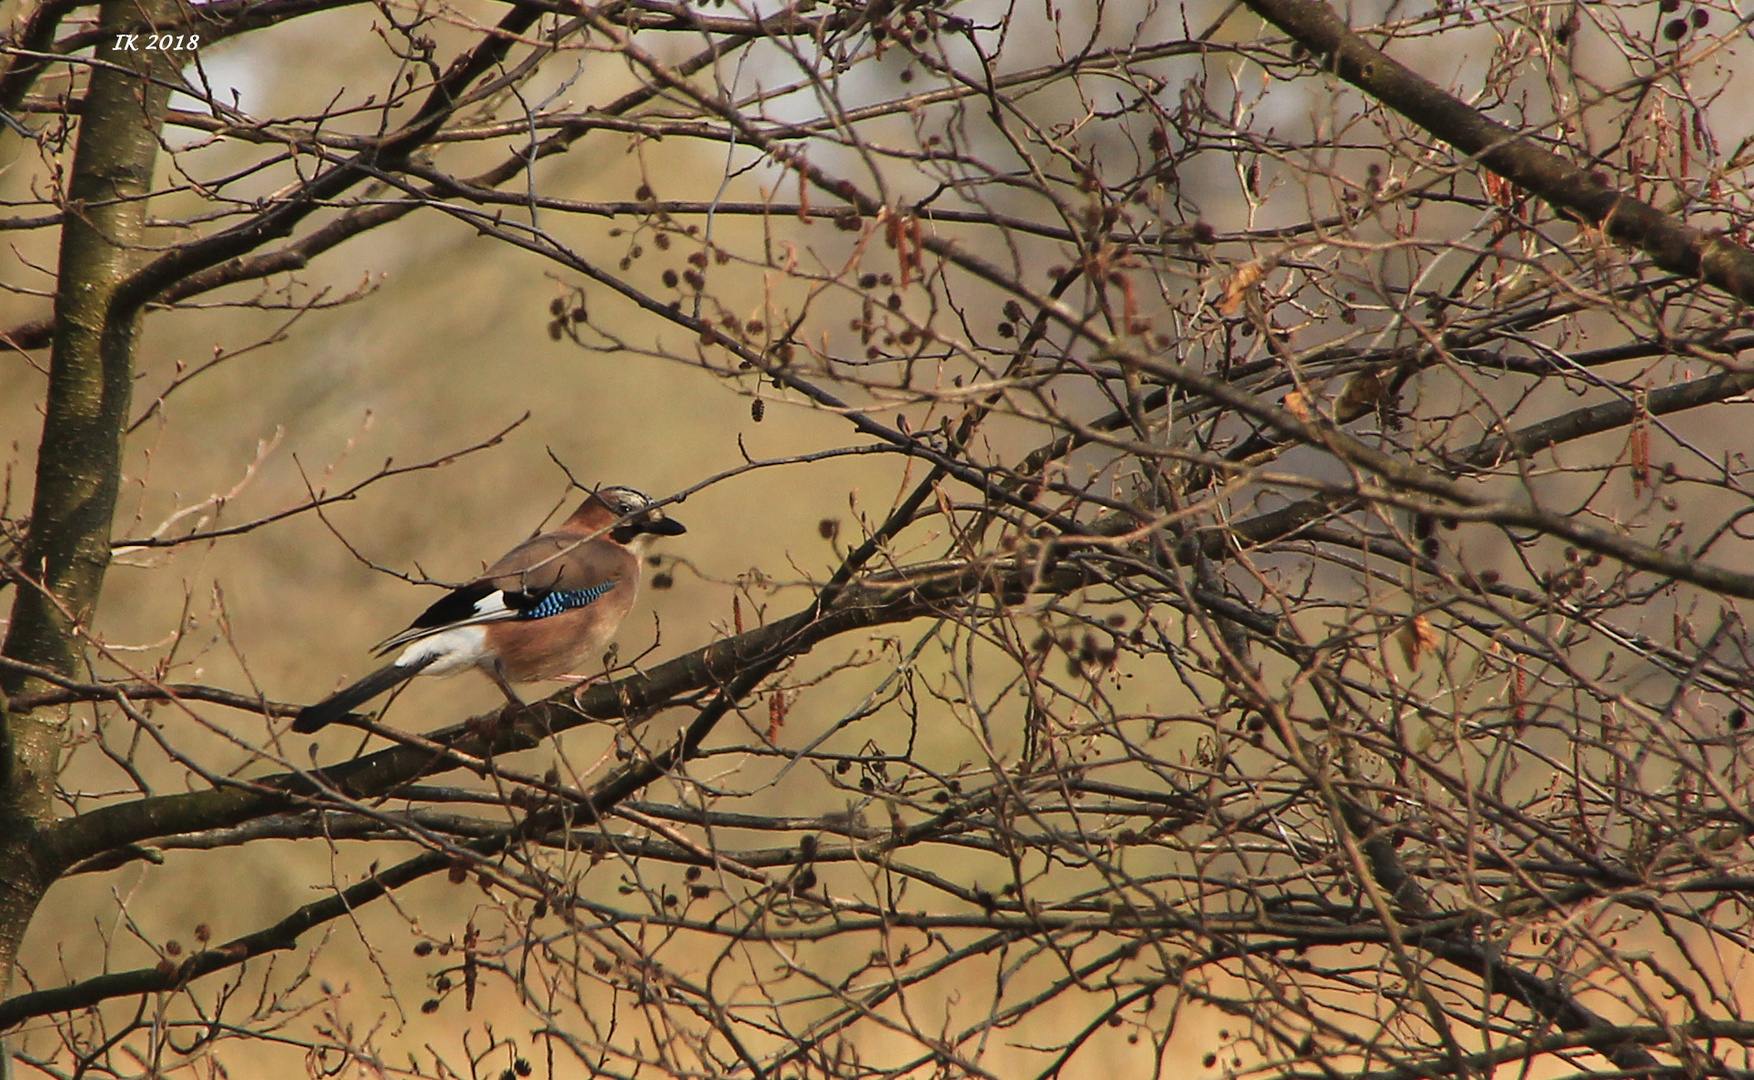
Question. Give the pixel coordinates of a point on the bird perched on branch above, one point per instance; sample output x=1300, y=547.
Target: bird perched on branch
x=549, y=604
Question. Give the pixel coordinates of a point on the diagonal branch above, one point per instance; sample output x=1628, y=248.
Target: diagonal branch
x=1569, y=188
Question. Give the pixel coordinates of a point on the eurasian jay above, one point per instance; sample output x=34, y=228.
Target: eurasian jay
x=551, y=603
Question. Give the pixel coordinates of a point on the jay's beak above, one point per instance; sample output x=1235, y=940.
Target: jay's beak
x=650, y=524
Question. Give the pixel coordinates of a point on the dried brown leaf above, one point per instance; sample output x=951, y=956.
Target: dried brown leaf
x=1416, y=637
x=1360, y=396
x=1247, y=276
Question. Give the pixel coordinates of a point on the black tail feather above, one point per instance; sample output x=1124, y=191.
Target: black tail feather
x=340, y=703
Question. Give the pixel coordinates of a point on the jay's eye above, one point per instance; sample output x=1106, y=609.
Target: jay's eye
x=624, y=500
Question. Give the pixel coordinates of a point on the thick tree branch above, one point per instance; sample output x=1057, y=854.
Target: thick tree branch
x=1569, y=188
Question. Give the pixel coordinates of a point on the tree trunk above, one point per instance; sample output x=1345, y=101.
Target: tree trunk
x=79, y=461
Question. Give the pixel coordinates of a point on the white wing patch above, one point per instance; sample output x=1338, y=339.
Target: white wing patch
x=492, y=604
x=451, y=649
x=488, y=609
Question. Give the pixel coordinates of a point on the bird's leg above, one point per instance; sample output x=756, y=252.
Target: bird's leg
x=489, y=723
x=496, y=672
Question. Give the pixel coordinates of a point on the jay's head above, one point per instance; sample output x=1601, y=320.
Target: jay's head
x=628, y=514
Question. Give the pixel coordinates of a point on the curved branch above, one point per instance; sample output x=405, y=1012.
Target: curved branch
x=208, y=253
x=31, y=43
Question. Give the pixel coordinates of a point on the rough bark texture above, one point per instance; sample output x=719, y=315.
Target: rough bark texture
x=79, y=460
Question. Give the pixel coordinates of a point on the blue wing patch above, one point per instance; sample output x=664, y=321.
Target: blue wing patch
x=564, y=600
